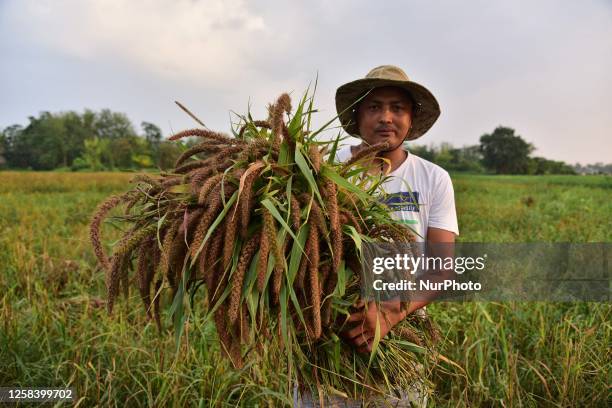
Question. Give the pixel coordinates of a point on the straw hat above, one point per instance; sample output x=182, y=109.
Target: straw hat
x=425, y=112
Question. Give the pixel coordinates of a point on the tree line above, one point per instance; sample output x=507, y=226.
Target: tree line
x=107, y=140
x=103, y=140
x=500, y=152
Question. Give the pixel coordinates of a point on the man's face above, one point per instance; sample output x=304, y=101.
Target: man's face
x=385, y=115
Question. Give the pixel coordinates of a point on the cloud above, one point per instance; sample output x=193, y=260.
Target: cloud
x=203, y=40
x=538, y=67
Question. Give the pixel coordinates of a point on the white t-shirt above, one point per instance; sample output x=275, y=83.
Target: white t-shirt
x=421, y=192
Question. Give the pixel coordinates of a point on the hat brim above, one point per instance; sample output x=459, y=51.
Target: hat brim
x=425, y=113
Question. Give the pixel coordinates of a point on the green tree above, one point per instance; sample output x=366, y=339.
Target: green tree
x=466, y=158
x=119, y=131
x=122, y=149
x=450, y=158
x=49, y=141
x=153, y=136
x=40, y=145
x=444, y=156
x=168, y=153
x=113, y=125
x=141, y=153
x=540, y=165
x=504, y=152
x=77, y=129
x=423, y=151
x=10, y=135
x=95, y=150
x=98, y=140
x=3, y=150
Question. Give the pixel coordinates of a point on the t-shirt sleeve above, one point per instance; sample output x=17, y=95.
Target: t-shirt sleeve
x=442, y=213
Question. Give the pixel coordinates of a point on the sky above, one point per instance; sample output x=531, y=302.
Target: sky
x=540, y=67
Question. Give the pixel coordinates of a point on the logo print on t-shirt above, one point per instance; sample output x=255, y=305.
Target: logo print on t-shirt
x=403, y=201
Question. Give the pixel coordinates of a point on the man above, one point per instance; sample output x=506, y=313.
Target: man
x=394, y=110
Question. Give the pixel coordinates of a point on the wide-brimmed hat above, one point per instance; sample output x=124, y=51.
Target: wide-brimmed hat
x=424, y=114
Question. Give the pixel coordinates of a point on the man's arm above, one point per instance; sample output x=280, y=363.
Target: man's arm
x=434, y=236
x=437, y=235
x=391, y=312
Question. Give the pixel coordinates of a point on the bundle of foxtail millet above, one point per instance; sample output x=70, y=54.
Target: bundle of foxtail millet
x=271, y=225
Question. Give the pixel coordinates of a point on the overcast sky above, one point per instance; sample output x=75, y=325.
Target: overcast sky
x=541, y=67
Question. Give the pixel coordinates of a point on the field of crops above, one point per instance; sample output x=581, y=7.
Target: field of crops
x=54, y=330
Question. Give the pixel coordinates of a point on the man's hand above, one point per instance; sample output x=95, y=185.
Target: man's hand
x=362, y=334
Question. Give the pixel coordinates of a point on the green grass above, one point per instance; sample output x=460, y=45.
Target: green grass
x=54, y=330
x=534, y=208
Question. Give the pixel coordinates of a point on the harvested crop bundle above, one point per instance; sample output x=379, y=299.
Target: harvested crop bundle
x=269, y=223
